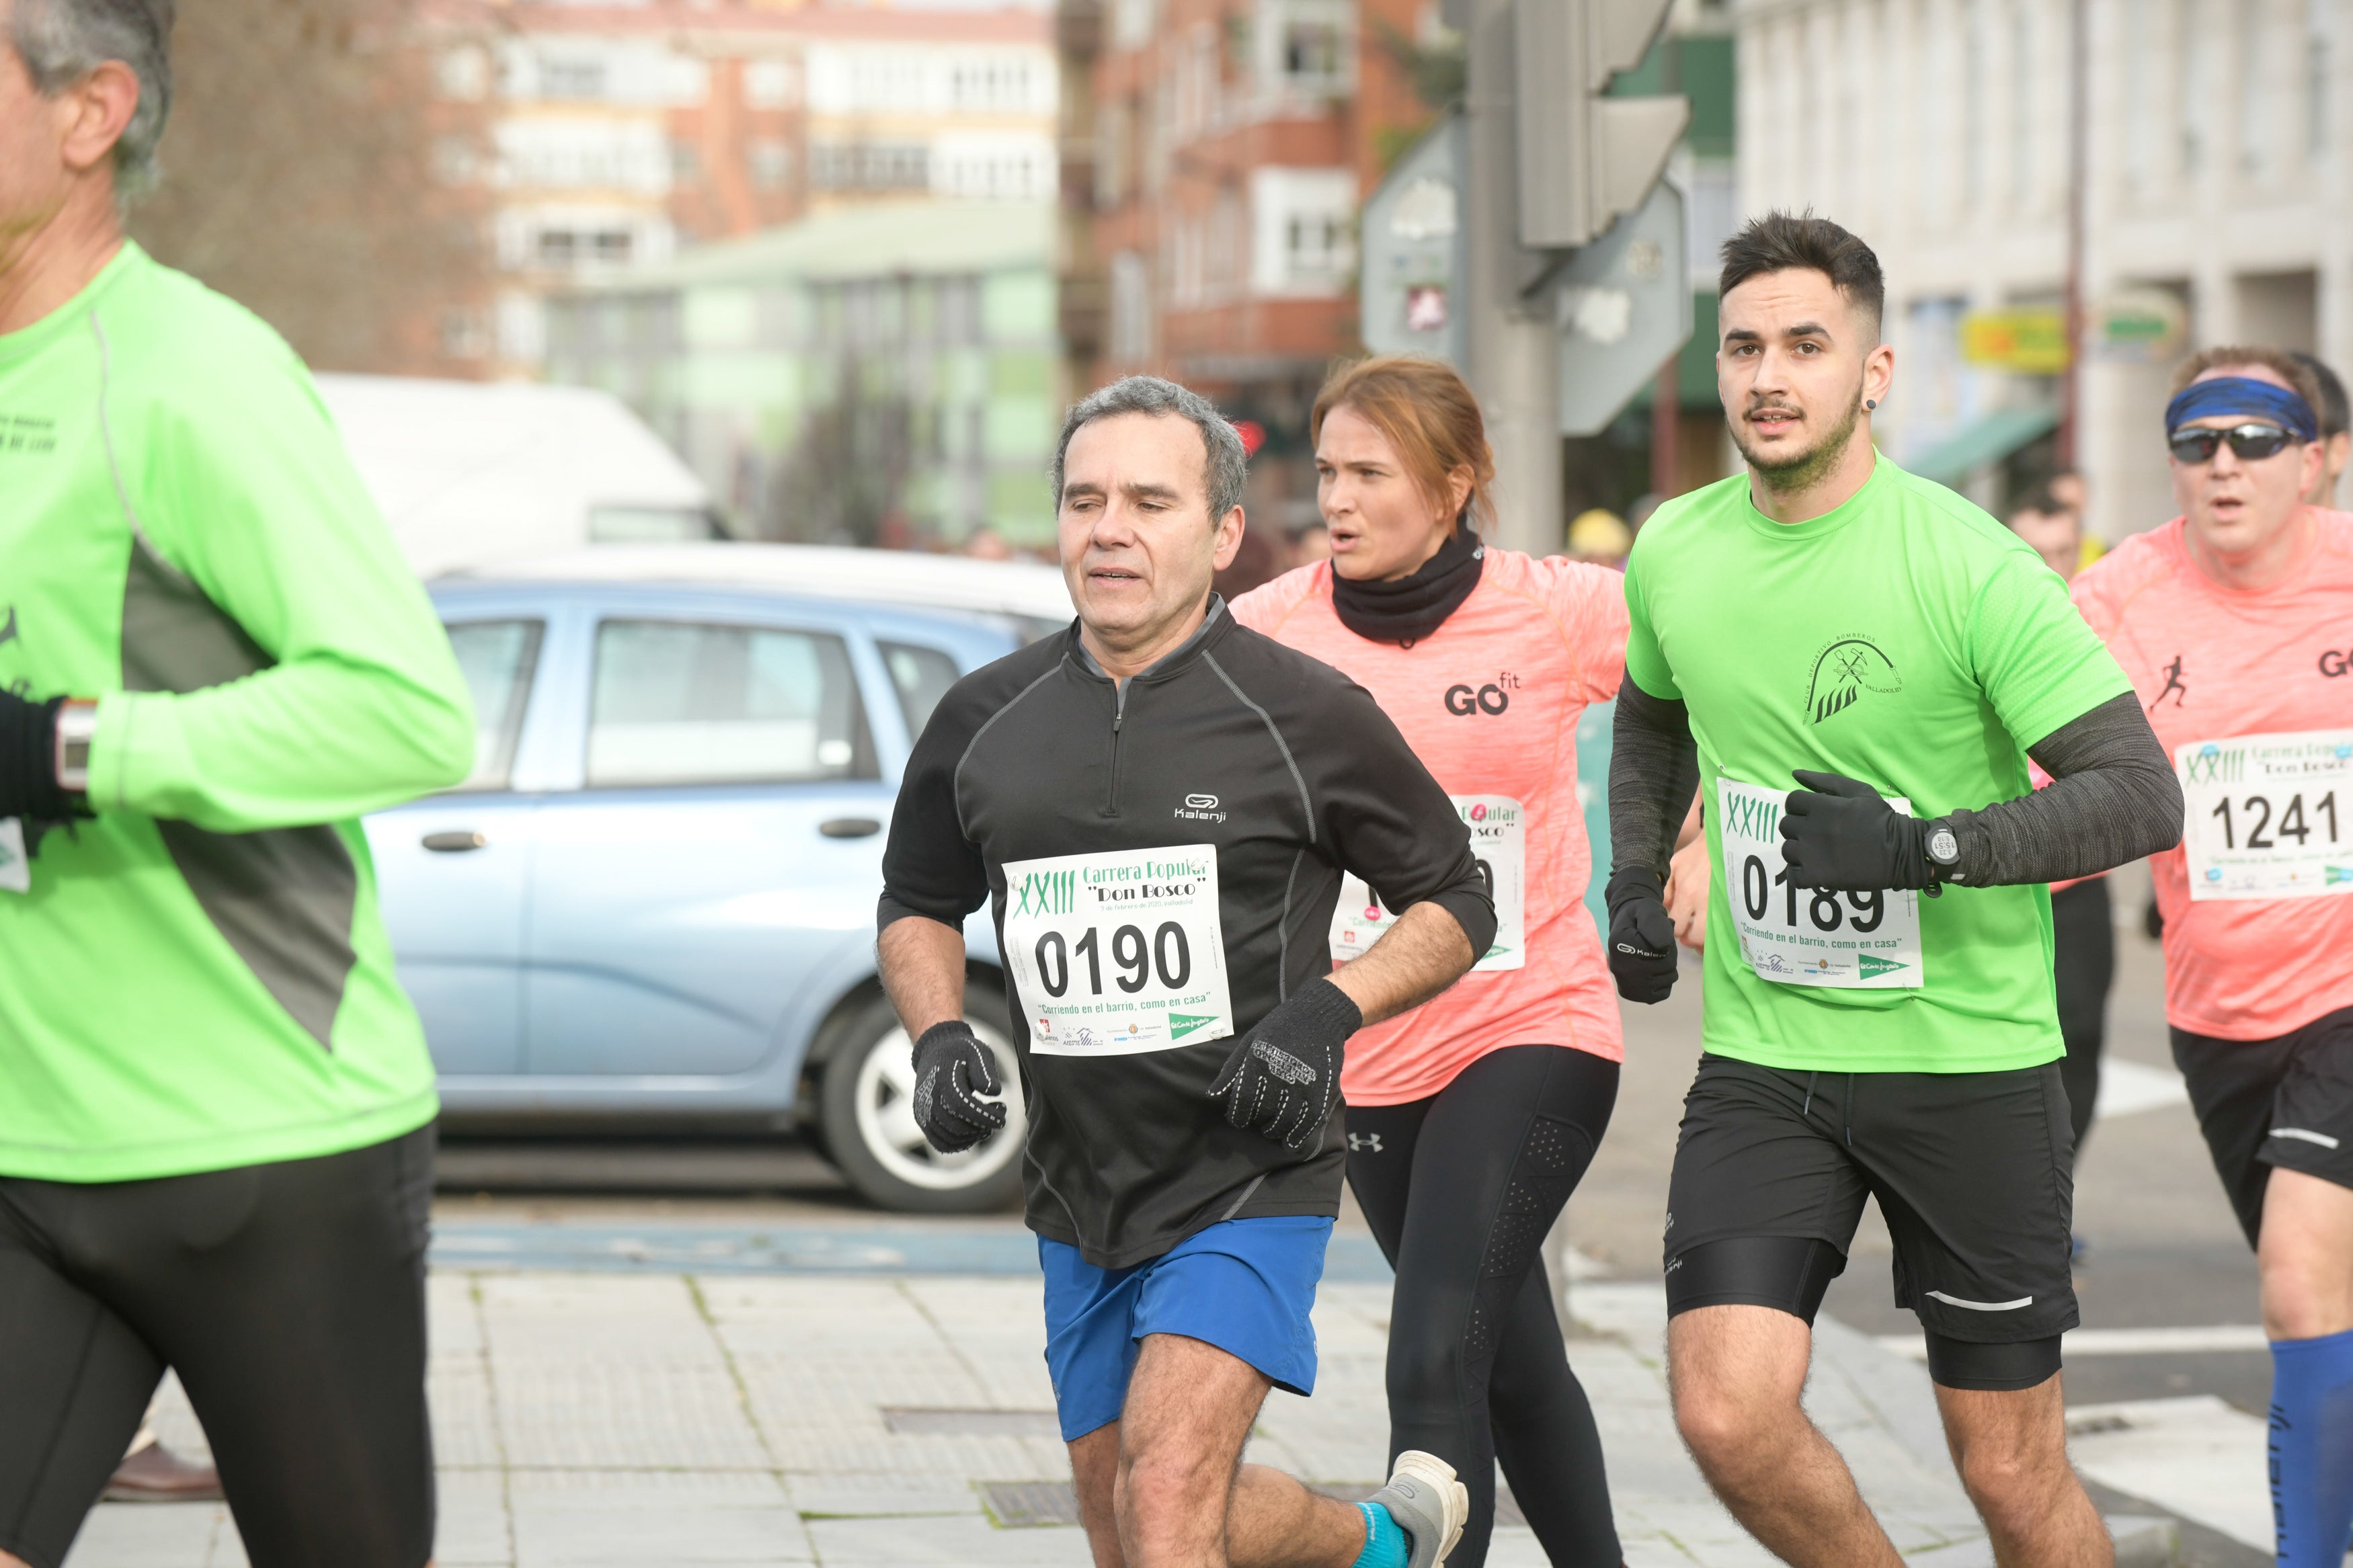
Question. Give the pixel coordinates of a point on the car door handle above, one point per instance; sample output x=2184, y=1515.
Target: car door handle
x=455, y=843
x=850, y=828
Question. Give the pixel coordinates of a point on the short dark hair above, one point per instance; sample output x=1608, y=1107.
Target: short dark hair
x=2042, y=503
x=2335, y=418
x=1784, y=241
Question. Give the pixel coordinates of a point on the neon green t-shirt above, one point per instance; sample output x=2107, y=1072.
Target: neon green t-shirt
x=1906, y=639
x=197, y=978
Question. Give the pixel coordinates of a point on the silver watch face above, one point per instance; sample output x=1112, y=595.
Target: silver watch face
x=1943, y=848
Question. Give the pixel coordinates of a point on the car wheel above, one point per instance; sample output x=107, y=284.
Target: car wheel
x=866, y=1113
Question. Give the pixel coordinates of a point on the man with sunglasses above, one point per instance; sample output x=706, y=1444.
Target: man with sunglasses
x=2235, y=622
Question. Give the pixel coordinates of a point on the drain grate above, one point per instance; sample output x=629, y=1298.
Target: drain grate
x=1020, y=1505
x=973, y=1423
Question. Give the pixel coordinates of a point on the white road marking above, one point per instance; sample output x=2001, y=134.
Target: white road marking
x=2197, y=1341
x=2126, y=1086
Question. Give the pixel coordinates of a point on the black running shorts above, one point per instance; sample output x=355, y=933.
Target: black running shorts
x=1971, y=1171
x=291, y=1300
x=2285, y=1102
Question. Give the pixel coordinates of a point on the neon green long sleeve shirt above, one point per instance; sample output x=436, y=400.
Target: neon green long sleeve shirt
x=198, y=978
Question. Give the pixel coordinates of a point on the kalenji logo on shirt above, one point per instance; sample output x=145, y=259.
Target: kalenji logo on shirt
x=2333, y=662
x=2174, y=687
x=1200, y=808
x=1846, y=668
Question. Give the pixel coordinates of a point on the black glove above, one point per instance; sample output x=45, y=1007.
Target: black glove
x=1642, y=935
x=1837, y=832
x=951, y=1070
x=29, y=761
x=1283, y=1078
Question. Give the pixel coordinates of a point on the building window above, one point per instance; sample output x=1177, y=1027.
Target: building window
x=771, y=165
x=571, y=76
x=769, y=84
x=463, y=73
x=1130, y=309
x=1303, y=225
x=1306, y=46
x=869, y=166
x=571, y=247
x=989, y=84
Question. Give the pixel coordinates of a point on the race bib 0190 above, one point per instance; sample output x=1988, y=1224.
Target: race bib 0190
x=2270, y=816
x=1116, y=953
x=1499, y=840
x=1809, y=936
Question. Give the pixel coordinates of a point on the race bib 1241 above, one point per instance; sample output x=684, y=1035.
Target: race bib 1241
x=1116, y=953
x=1499, y=839
x=2270, y=816
x=1808, y=936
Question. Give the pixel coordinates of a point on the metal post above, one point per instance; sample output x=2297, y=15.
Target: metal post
x=1666, y=421
x=1513, y=347
x=2079, y=140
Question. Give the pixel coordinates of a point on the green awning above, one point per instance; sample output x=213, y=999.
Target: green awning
x=1990, y=440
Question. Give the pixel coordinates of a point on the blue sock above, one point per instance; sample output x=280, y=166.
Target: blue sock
x=2312, y=1449
x=1386, y=1546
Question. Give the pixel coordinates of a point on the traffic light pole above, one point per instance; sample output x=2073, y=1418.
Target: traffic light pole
x=1514, y=345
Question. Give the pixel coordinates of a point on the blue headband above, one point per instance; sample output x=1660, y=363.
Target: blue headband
x=2242, y=395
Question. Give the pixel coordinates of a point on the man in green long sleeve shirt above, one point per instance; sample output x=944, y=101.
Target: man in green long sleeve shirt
x=214, y=1100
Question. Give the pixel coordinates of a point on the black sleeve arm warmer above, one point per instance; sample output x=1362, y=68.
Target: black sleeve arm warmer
x=2113, y=798
x=1653, y=771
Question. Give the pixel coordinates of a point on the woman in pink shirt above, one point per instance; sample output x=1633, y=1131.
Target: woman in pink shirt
x=1472, y=1118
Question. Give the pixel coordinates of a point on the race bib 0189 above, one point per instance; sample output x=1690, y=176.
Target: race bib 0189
x=1808, y=936
x=2270, y=816
x=1118, y=953
x=1498, y=826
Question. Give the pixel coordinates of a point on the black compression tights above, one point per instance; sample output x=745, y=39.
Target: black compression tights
x=1460, y=1189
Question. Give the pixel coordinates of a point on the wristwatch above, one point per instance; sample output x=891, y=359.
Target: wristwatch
x=1943, y=852
x=77, y=722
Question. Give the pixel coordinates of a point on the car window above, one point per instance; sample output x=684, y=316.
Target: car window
x=920, y=675
x=496, y=657
x=684, y=702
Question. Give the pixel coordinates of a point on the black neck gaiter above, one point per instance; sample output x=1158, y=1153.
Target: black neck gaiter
x=1411, y=608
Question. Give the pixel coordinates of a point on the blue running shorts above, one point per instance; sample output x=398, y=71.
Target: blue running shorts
x=1242, y=1285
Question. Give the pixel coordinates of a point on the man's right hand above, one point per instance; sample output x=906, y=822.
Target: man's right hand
x=1642, y=936
x=952, y=1069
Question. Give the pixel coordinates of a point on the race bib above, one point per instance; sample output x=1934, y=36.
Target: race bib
x=1499, y=839
x=2270, y=816
x=1807, y=936
x=1117, y=954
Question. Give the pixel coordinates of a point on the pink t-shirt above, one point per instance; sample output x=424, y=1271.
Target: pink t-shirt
x=2211, y=663
x=1489, y=702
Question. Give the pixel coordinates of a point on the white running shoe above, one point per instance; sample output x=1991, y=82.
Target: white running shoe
x=1428, y=1503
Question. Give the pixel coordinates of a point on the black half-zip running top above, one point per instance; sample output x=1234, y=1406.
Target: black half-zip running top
x=1292, y=774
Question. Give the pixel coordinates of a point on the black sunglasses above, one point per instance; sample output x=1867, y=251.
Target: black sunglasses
x=2248, y=441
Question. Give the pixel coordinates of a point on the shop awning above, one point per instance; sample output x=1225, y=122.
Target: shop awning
x=1989, y=440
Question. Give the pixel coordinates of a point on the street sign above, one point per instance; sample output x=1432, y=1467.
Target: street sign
x=1622, y=305
x=2030, y=341
x=2140, y=326
x=1411, y=288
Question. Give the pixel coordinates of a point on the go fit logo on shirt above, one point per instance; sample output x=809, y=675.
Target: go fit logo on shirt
x=1462, y=700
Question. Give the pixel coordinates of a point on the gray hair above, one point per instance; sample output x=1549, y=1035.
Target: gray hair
x=1225, y=465
x=62, y=41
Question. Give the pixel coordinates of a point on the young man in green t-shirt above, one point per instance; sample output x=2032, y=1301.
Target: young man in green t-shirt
x=216, y=1104
x=1880, y=1019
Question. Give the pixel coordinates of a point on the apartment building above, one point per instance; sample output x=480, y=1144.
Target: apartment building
x=618, y=132
x=2219, y=189
x=1213, y=162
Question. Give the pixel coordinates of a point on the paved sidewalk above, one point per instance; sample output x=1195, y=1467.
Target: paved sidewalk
x=616, y=1418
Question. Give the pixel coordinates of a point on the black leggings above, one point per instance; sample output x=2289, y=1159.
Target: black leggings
x=1461, y=1190
x=2084, y=962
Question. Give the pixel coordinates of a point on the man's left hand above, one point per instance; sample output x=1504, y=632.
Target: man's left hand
x=1837, y=833
x=1284, y=1076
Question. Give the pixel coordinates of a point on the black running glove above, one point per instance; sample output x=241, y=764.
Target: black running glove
x=1642, y=935
x=29, y=761
x=1283, y=1078
x=1837, y=832
x=951, y=1070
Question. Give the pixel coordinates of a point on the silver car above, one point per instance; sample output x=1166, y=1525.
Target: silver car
x=652, y=904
